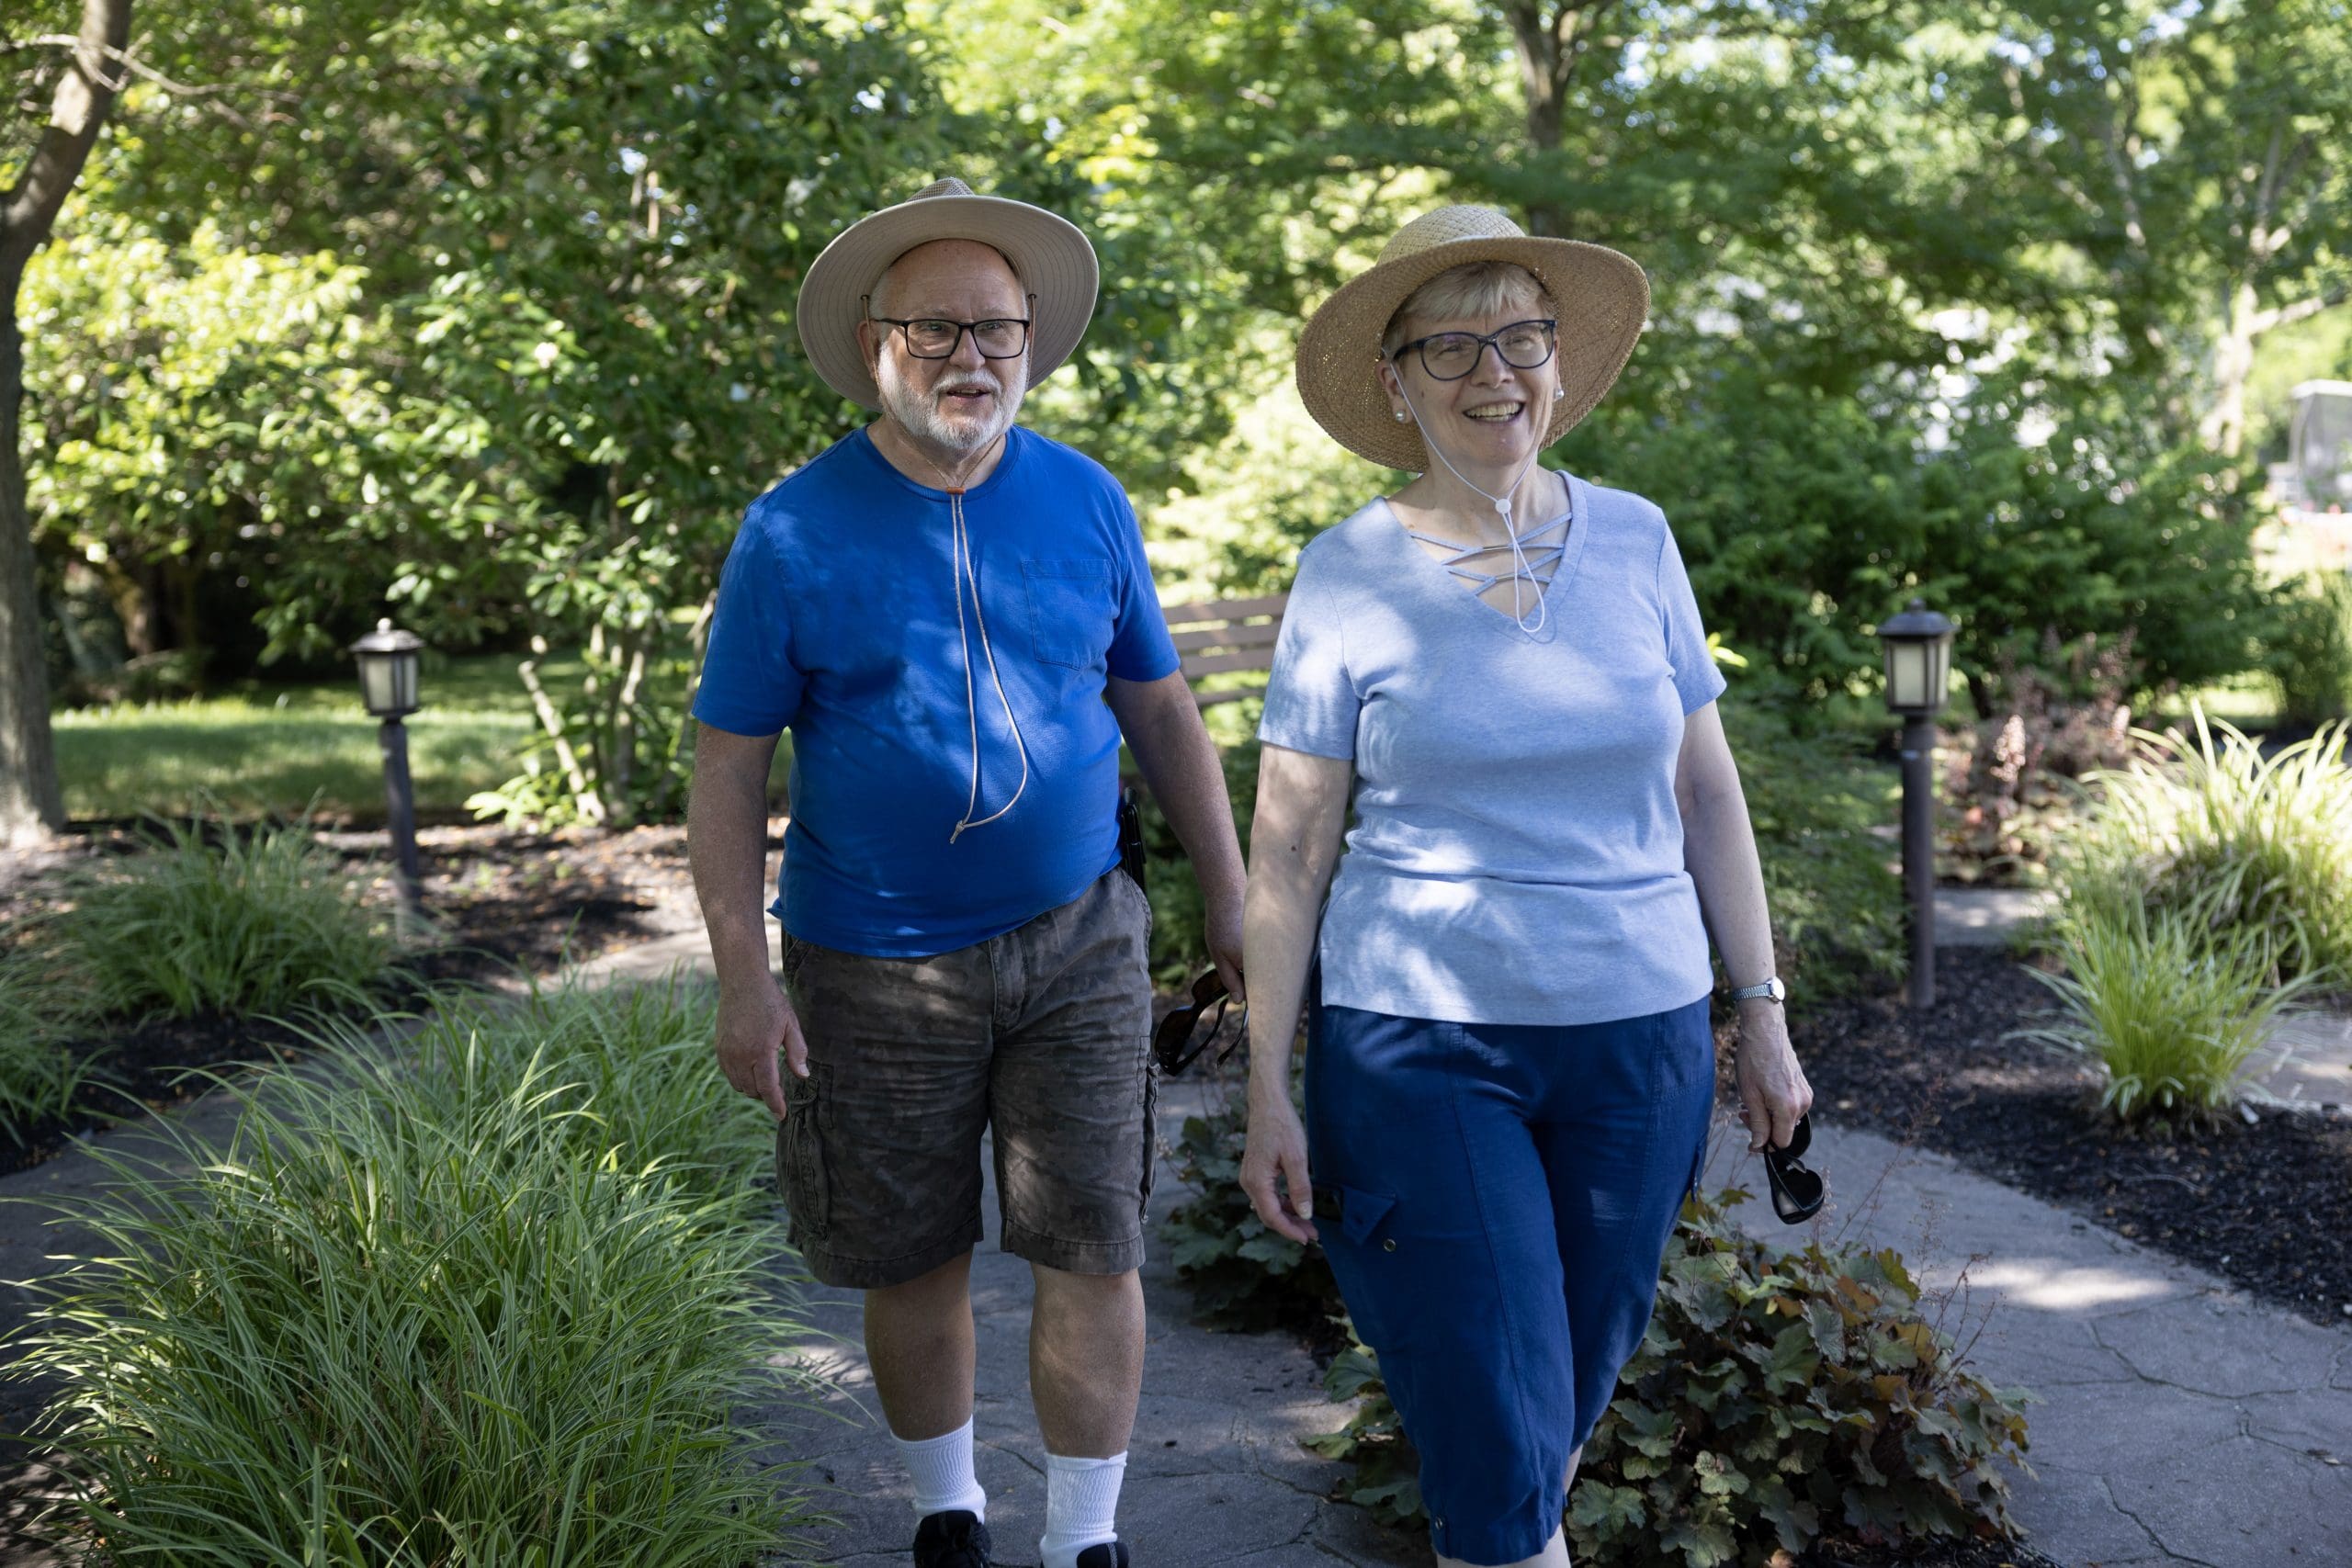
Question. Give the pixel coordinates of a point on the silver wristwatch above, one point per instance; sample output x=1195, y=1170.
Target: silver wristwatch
x=1769, y=989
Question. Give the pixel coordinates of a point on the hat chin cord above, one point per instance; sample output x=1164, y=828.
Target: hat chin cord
x=961, y=547
x=1521, y=570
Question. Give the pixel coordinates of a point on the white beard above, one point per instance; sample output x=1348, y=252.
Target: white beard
x=928, y=417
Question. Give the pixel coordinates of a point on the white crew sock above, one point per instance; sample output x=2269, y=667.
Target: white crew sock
x=1082, y=1506
x=942, y=1469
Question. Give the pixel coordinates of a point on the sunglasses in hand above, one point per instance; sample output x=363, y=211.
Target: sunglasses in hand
x=1797, y=1194
x=1184, y=1033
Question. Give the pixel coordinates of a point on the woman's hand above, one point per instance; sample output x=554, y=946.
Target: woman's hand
x=1276, y=1148
x=1772, y=1089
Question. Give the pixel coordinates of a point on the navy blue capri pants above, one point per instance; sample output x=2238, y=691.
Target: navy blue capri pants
x=1504, y=1193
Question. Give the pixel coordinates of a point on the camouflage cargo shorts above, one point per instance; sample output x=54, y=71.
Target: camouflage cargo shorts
x=1041, y=1035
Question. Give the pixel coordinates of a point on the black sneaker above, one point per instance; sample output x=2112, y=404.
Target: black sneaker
x=1105, y=1554
x=955, y=1539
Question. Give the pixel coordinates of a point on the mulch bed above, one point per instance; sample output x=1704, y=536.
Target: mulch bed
x=2266, y=1205
x=507, y=903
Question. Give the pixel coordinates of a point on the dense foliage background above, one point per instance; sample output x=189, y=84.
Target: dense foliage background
x=478, y=313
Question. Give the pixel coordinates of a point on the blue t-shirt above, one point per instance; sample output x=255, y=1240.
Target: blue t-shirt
x=1517, y=852
x=838, y=619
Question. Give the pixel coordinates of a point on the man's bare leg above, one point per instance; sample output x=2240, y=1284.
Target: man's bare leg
x=919, y=1342
x=1086, y=1360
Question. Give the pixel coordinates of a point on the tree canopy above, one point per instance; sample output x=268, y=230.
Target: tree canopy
x=478, y=313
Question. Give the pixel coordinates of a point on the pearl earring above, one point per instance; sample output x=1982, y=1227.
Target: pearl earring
x=1400, y=415
x=1558, y=392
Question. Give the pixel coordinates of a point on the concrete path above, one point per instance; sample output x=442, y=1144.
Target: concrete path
x=1215, y=1475
x=1986, y=917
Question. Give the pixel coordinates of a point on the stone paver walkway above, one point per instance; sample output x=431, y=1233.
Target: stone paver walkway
x=1986, y=917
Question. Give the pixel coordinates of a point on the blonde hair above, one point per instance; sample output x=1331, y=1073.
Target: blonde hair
x=1474, y=289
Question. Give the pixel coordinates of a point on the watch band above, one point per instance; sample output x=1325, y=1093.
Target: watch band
x=1769, y=989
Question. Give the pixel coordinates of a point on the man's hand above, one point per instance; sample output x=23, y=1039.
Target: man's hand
x=1222, y=930
x=1772, y=1089
x=1277, y=1146
x=755, y=1023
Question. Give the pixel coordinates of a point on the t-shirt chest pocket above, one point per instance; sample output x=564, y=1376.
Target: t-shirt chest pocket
x=1069, y=611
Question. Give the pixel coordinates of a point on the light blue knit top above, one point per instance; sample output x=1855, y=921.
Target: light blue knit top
x=1517, y=853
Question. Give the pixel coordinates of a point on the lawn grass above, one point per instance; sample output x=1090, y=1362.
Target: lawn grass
x=229, y=754
x=262, y=748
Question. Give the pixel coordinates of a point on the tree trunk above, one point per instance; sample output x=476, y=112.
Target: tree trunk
x=1550, y=38
x=30, y=805
x=2224, y=422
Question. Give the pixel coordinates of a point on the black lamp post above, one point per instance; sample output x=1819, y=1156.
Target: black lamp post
x=1918, y=664
x=388, y=661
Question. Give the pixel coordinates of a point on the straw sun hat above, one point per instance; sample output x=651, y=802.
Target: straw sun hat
x=1602, y=298
x=1055, y=264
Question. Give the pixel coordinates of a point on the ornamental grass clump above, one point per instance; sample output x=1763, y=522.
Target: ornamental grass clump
x=2174, y=1002
x=266, y=922
x=1778, y=1400
x=503, y=1303
x=2252, y=844
x=40, y=1074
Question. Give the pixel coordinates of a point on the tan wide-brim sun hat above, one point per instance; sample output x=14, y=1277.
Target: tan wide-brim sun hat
x=1056, y=263
x=1602, y=298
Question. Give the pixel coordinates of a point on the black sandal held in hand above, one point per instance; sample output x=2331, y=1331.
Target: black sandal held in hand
x=1797, y=1194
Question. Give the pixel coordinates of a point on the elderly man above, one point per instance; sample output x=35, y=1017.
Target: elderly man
x=938, y=607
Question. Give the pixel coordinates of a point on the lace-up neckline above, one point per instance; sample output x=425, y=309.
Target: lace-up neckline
x=1535, y=559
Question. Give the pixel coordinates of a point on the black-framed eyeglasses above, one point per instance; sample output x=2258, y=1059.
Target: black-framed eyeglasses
x=1797, y=1194
x=1184, y=1033
x=1449, y=356
x=931, y=337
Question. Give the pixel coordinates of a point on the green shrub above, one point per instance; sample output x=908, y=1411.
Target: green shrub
x=2312, y=656
x=1837, y=909
x=1777, y=1400
x=39, y=1075
x=263, y=924
x=2172, y=1002
x=2253, y=844
x=1242, y=1275
x=501, y=1304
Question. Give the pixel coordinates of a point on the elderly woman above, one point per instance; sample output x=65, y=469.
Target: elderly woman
x=1509, y=1073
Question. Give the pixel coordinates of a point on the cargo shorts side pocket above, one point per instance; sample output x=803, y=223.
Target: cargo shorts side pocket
x=800, y=1177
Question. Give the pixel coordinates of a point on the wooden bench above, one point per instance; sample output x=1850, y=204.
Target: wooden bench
x=1214, y=636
